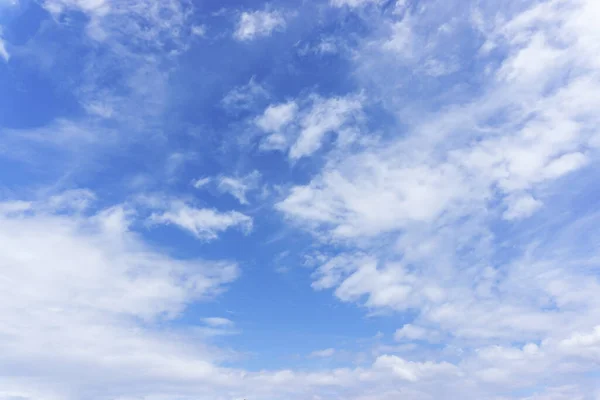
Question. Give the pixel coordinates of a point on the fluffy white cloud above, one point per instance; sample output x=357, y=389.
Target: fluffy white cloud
x=204, y=223
x=256, y=24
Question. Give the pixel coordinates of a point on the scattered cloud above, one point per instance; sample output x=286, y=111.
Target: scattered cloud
x=255, y=24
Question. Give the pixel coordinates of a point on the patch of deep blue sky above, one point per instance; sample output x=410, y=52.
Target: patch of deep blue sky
x=279, y=314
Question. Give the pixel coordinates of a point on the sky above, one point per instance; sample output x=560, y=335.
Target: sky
x=299, y=200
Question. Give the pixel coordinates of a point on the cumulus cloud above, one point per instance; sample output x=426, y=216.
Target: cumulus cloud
x=255, y=24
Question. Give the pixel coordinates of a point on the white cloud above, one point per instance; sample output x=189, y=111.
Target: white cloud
x=586, y=345
x=201, y=182
x=3, y=52
x=521, y=207
x=302, y=130
x=445, y=166
x=414, y=332
x=83, y=294
x=276, y=117
x=357, y=196
x=239, y=187
x=204, y=223
x=353, y=3
x=245, y=96
x=256, y=24
x=419, y=215
x=325, y=116
x=413, y=371
x=327, y=46
x=218, y=322
x=199, y=30
x=325, y=353
x=401, y=41
x=96, y=7
x=87, y=302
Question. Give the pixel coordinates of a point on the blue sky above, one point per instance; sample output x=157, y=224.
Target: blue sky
x=337, y=199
